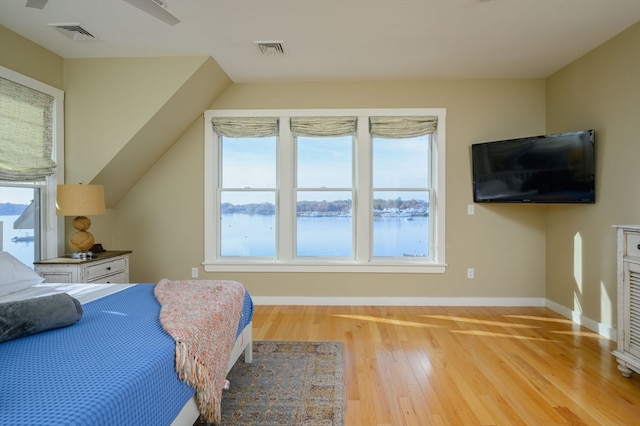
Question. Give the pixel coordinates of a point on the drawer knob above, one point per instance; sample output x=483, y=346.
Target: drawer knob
x=109, y=267
x=638, y=246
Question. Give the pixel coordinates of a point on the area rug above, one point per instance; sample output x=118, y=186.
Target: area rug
x=288, y=383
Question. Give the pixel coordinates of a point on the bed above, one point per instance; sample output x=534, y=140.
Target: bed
x=116, y=365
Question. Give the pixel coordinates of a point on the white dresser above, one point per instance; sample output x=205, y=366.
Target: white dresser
x=105, y=267
x=628, y=257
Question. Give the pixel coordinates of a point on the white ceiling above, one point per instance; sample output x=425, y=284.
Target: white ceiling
x=330, y=40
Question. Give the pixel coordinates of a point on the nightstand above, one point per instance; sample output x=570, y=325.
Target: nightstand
x=104, y=267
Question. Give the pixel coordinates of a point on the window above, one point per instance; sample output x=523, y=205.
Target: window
x=31, y=129
x=324, y=186
x=401, y=197
x=325, y=190
x=324, y=224
x=247, y=197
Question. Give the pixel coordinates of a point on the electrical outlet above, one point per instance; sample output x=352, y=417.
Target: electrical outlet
x=471, y=209
x=470, y=273
x=194, y=272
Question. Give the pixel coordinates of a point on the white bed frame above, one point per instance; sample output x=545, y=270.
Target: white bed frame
x=244, y=343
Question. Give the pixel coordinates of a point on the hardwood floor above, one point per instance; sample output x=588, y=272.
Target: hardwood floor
x=464, y=365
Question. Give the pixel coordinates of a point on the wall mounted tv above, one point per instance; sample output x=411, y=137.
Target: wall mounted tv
x=557, y=168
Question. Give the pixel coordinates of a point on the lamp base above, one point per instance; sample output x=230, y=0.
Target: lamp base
x=82, y=240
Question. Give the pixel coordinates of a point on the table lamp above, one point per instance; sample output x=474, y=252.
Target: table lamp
x=80, y=201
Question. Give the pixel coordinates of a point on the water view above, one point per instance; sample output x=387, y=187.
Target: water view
x=18, y=219
x=394, y=235
x=17, y=242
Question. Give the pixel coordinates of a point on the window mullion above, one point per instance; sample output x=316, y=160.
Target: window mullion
x=362, y=211
x=285, y=194
x=212, y=197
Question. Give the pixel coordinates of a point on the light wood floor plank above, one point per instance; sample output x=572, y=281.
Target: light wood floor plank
x=464, y=365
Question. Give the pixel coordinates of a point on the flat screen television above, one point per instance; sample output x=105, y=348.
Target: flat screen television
x=557, y=168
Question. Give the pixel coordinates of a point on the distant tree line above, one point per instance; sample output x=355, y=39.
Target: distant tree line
x=337, y=207
x=325, y=207
x=400, y=204
x=254, y=208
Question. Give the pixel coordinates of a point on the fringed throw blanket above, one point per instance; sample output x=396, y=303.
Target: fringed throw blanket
x=202, y=317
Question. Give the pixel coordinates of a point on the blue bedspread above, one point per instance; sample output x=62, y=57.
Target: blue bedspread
x=114, y=367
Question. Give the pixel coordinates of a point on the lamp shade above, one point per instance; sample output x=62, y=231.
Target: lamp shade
x=80, y=200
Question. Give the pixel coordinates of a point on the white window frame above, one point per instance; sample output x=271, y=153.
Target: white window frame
x=286, y=261
x=52, y=226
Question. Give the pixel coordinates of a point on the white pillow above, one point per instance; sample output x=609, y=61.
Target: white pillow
x=15, y=275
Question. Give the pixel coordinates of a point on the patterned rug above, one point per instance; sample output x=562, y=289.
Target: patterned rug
x=288, y=383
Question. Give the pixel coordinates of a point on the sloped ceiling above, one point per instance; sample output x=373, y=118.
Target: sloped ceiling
x=119, y=123
x=339, y=40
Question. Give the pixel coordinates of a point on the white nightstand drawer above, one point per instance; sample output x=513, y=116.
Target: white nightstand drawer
x=104, y=267
x=59, y=276
x=119, y=278
x=632, y=246
x=94, y=272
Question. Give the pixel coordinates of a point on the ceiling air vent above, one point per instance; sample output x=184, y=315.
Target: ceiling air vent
x=74, y=32
x=270, y=47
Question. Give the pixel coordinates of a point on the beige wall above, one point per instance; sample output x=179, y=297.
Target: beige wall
x=124, y=114
x=23, y=56
x=125, y=109
x=602, y=91
x=161, y=217
x=563, y=253
x=109, y=101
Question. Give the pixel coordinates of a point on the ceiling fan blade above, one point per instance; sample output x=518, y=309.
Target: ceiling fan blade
x=36, y=4
x=155, y=10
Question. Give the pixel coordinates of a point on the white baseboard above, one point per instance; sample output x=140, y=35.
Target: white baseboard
x=602, y=329
x=399, y=301
x=577, y=317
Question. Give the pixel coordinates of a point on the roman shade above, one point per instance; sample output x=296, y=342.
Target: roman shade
x=402, y=127
x=26, y=133
x=245, y=127
x=323, y=126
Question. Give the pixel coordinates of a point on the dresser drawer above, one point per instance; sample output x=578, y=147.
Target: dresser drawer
x=95, y=272
x=632, y=244
x=120, y=278
x=104, y=267
x=57, y=276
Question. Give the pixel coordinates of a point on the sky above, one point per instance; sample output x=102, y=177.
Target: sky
x=16, y=195
x=322, y=163
x=250, y=163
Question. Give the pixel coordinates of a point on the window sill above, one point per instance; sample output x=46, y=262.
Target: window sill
x=403, y=268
